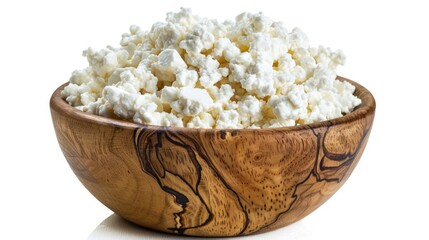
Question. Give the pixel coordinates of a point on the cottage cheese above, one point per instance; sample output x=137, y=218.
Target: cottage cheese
x=200, y=73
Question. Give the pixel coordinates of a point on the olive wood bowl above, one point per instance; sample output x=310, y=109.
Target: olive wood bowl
x=212, y=182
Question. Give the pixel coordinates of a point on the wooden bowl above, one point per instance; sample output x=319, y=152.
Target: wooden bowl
x=210, y=182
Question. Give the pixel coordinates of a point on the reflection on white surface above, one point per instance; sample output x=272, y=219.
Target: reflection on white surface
x=115, y=228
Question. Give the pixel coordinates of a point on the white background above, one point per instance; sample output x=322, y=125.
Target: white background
x=386, y=43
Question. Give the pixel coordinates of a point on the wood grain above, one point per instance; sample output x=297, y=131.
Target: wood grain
x=206, y=182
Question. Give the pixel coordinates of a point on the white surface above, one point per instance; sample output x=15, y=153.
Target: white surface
x=386, y=43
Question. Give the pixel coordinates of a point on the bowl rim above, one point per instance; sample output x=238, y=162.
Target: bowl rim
x=367, y=107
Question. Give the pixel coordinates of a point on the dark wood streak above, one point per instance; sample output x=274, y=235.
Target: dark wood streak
x=145, y=161
x=216, y=171
x=146, y=167
x=196, y=191
x=340, y=157
x=348, y=158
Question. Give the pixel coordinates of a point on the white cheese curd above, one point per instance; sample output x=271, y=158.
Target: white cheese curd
x=192, y=101
x=168, y=65
x=250, y=110
x=195, y=72
x=204, y=120
x=228, y=119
